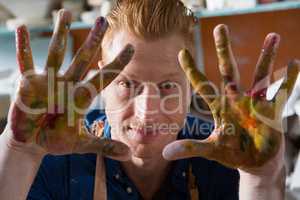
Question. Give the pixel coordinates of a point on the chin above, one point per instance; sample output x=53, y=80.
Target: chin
x=148, y=150
x=144, y=151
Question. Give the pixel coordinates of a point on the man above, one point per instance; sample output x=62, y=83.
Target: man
x=145, y=124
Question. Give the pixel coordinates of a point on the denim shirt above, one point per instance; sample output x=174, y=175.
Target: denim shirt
x=72, y=176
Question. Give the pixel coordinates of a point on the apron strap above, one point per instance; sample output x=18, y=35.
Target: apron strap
x=192, y=184
x=100, y=192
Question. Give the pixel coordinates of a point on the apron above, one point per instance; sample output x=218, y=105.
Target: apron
x=100, y=192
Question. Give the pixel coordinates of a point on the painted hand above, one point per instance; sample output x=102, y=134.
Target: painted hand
x=247, y=130
x=43, y=114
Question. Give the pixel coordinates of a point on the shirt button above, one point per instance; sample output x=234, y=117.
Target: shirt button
x=129, y=190
x=117, y=176
x=183, y=174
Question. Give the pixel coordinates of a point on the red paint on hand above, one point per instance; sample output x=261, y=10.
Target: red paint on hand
x=257, y=94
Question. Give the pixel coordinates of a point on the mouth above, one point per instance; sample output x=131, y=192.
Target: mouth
x=142, y=134
x=143, y=130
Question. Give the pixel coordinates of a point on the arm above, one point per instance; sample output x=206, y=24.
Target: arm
x=265, y=182
x=18, y=167
x=261, y=187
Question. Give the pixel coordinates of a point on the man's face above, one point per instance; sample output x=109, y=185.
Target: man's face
x=147, y=103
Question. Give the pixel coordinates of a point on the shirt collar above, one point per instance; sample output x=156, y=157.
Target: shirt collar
x=178, y=173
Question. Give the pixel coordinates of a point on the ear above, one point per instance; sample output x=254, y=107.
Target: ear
x=101, y=64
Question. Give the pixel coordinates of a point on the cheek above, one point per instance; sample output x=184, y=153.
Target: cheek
x=116, y=100
x=176, y=102
x=175, y=111
x=117, y=107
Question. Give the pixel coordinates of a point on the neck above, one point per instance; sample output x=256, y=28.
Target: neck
x=147, y=174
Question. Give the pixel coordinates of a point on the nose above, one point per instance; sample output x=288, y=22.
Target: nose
x=147, y=102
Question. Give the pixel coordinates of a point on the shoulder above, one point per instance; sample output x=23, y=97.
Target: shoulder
x=50, y=179
x=61, y=176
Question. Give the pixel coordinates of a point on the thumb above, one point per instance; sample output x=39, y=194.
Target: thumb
x=188, y=148
x=89, y=143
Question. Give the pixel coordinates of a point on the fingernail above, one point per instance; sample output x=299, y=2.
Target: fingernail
x=271, y=43
x=101, y=22
x=171, y=152
x=115, y=150
x=129, y=50
x=127, y=54
x=67, y=18
x=64, y=18
x=293, y=63
x=221, y=32
x=21, y=29
x=183, y=53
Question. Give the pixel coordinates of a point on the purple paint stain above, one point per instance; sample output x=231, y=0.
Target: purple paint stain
x=98, y=29
x=271, y=42
x=18, y=135
x=258, y=94
x=102, y=21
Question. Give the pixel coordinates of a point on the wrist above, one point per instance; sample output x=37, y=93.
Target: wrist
x=261, y=179
x=254, y=186
x=28, y=150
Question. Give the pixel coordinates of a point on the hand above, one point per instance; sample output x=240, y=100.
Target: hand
x=247, y=132
x=40, y=116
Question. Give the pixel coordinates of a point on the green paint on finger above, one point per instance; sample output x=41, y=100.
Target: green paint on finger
x=245, y=141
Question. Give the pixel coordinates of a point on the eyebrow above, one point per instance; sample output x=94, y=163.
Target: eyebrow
x=171, y=75
x=130, y=76
x=164, y=77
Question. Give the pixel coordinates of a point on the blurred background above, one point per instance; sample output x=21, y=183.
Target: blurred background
x=249, y=22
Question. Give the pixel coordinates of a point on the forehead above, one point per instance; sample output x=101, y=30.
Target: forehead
x=152, y=59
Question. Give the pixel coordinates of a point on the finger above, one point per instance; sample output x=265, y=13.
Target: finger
x=266, y=61
x=88, y=90
x=188, y=148
x=58, y=43
x=226, y=60
x=23, y=50
x=109, y=72
x=86, y=53
x=198, y=80
x=288, y=84
x=111, y=148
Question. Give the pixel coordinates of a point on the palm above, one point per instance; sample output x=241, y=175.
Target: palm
x=247, y=130
x=46, y=110
x=242, y=136
x=48, y=129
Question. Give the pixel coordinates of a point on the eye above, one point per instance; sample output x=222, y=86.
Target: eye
x=168, y=88
x=168, y=85
x=126, y=84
